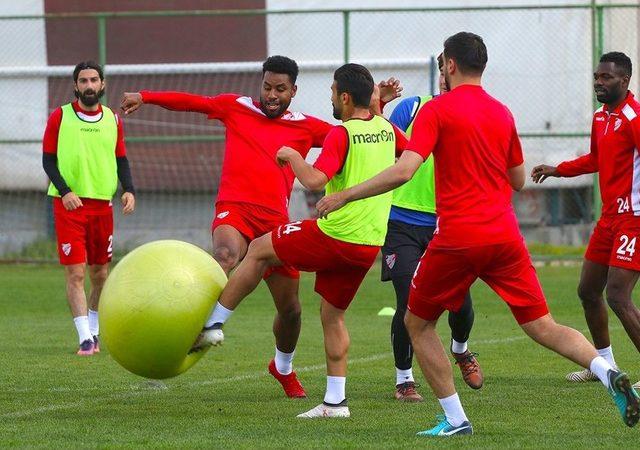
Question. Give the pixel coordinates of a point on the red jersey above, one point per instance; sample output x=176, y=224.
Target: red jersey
x=615, y=140
x=336, y=146
x=474, y=142
x=250, y=173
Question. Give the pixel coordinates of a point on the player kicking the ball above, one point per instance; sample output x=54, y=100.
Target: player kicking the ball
x=341, y=248
x=479, y=163
x=254, y=191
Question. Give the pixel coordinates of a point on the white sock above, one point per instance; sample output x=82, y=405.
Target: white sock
x=335, y=390
x=453, y=410
x=220, y=314
x=607, y=353
x=82, y=326
x=458, y=347
x=94, y=327
x=601, y=367
x=404, y=376
x=284, y=362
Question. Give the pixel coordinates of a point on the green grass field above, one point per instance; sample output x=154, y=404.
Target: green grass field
x=50, y=397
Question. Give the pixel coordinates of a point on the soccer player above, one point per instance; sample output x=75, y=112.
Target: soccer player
x=479, y=163
x=84, y=156
x=339, y=249
x=411, y=225
x=610, y=261
x=254, y=191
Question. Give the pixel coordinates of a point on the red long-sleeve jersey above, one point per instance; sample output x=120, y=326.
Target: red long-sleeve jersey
x=250, y=173
x=615, y=154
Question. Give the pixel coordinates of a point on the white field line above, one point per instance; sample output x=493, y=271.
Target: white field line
x=138, y=389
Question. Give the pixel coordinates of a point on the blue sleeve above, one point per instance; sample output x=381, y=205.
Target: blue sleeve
x=401, y=115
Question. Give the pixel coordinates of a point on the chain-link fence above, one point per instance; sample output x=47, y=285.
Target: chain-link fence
x=541, y=61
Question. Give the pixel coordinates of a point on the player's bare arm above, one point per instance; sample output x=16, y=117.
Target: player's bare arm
x=310, y=177
x=387, y=180
x=516, y=177
x=542, y=172
x=131, y=101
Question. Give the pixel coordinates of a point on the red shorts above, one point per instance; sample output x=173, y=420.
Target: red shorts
x=340, y=266
x=252, y=221
x=613, y=242
x=85, y=235
x=444, y=275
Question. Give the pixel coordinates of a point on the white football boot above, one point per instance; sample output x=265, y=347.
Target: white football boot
x=582, y=376
x=208, y=337
x=325, y=411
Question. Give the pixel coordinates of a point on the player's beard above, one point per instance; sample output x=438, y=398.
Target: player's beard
x=447, y=81
x=273, y=114
x=609, y=96
x=89, y=97
x=337, y=113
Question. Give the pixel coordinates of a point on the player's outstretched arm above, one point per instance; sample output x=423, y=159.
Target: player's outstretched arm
x=173, y=101
x=131, y=101
x=542, y=172
x=310, y=177
x=387, y=180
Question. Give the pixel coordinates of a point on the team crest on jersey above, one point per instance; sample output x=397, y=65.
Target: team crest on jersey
x=617, y=124
x=390, y=260
x=223, y=214
x=66, y=248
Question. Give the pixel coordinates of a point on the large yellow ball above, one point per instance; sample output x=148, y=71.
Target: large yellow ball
x=154, y=304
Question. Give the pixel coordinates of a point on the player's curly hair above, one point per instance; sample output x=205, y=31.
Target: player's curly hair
x=88, y=65
x=620, y=60
x=468, y=51
x=281, y=64
x=355, y=80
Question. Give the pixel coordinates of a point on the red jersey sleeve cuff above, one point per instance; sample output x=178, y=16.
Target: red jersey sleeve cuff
x=326, y=170
x=516, y=163
x=148, y=96
x=563, y=170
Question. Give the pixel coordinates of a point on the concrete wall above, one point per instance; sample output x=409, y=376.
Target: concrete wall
x=23, y=101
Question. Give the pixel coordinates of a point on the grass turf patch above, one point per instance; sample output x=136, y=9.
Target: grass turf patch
x=52, y=398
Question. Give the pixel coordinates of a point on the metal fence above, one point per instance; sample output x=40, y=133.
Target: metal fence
x=541, y=60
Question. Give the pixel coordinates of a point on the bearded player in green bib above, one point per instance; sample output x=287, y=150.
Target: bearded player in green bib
x=84, y=156
x=341, y=248
x=412, y=222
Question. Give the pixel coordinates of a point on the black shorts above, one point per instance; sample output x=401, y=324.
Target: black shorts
x=403, y=248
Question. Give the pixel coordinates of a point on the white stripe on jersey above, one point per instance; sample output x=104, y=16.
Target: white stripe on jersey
x=628, y=112
x=635, y=184
x=88, y=118
x=415, y=108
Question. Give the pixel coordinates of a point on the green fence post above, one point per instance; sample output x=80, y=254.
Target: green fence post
x=345, y=28
x=102, y=47
x=597, y=42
